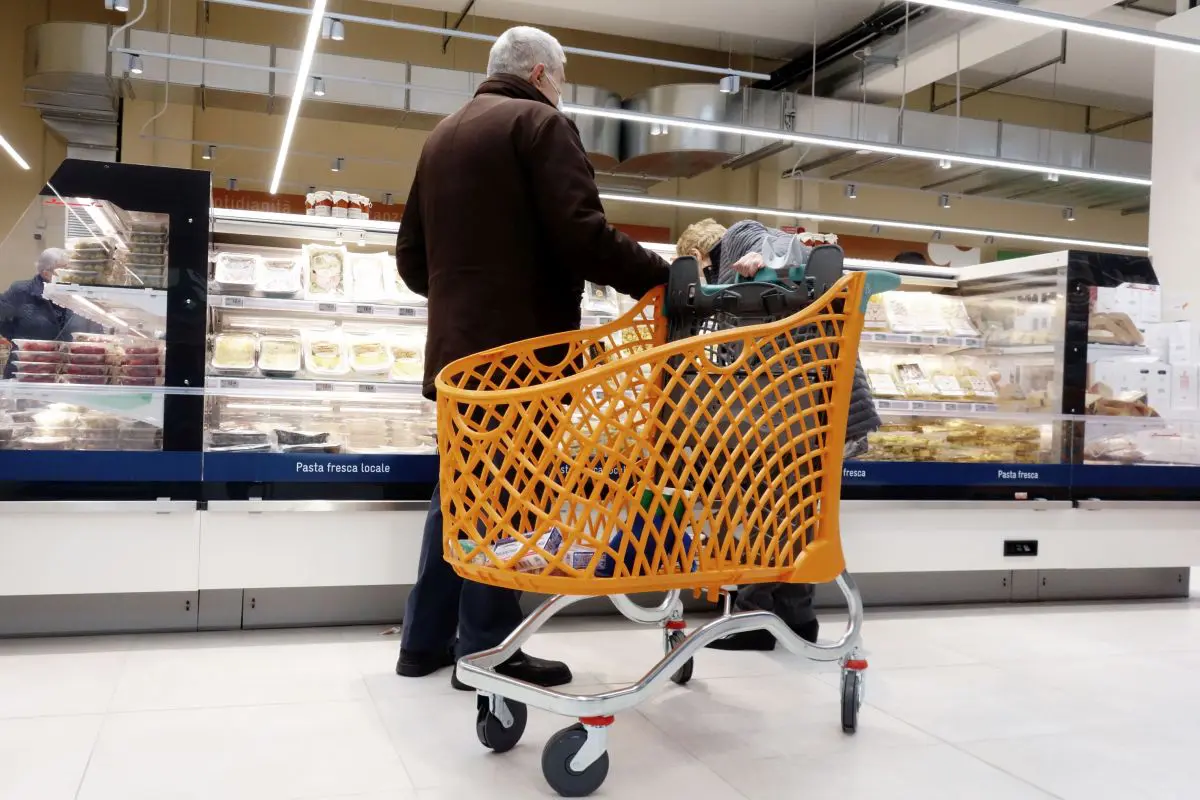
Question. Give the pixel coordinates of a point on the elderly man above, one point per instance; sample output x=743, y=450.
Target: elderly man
x=502, y=227
x=26, y=314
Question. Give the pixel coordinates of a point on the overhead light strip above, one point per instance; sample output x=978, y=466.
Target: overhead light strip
x=12, y=152
x=455, y=33
x=851, y=144
x=311, y=38
x=1063, y=22
x=883, y=223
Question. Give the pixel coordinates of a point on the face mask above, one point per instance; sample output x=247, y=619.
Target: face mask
x=557, y=90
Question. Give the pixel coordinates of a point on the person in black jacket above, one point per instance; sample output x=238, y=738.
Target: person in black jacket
x=502, y=227
x=744, y=249
x=26, y=314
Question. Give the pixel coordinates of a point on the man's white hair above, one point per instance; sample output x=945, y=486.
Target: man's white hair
x=520, y=49
x=52, y=258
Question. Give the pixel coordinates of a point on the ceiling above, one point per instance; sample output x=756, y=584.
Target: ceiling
x=772, y=28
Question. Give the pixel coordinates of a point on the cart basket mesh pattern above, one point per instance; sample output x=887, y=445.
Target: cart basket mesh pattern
x=611, y=461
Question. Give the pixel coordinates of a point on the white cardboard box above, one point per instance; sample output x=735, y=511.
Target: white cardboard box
x=1141, y=301
x=1152, y=377
x=1184, y=394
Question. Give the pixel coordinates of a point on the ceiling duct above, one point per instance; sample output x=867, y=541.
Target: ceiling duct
x=676, y=151
x=67, y=79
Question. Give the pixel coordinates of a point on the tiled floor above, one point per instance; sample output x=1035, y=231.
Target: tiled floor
x=1088, y=702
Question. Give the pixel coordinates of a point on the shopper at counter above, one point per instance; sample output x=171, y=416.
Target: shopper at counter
x=744, y=249
x=26, y=314
x=502, y=227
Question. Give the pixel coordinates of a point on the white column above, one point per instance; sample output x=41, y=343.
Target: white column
x=1175, y=196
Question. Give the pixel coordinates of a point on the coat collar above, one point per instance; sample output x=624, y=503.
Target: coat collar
x=512, y=86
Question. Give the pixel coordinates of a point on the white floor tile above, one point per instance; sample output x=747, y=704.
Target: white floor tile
x=34, y=685
x=43, y=758
x=229, y=676
x=276, y=752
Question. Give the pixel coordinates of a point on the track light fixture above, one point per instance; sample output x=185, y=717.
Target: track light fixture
x=333, y=28
x=135, y=64
x=1069, y=214
x=116, y=5
x=210, y=151
x=232, y=184
x=387, y=198
x=337, y=164
x=944, y=201
x=1052, y=177
x=318, y=86
x=945, y=164
x=851, y=191
x=730, y=84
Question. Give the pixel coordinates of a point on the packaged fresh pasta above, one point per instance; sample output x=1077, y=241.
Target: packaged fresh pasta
x=408, y=357
x=876, y=317
x=369, y=353
x=880, y=376
x=237, y=272
x=325, y=272
x=367, y=274
x=233, y=352
x=912, y=379
x=280, y=356
x=281, y=277
x=325, y=354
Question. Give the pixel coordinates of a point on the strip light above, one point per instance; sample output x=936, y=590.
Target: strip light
x=888, y=223
x=12, y=152
x=850, y=144
x=298, y=90
x=1063, y=22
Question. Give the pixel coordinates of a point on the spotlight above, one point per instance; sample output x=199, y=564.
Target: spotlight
x=944, y=201
x=232, y=184
x=1069, y=214
x=318, y=86
x=337, y=164
x=333, y=28
x=1052, y=177
x=851, y=191
x=937, y=236
x=730, y=84
x=135, y=64
x=945, y=163
x=209, y=152
x=116, y=5
x=387, y=198
x=362, y=238
x=989, y=240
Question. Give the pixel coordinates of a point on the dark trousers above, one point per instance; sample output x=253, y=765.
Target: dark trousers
x=443, y=604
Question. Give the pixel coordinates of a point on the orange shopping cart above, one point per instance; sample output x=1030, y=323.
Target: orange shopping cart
x=694, y=443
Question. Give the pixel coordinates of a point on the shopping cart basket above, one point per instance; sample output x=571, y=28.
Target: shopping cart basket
x=695, y=443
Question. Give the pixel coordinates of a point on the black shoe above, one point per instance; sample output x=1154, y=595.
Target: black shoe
x=808, y=631
x=746, y=640
x=418, y=664
x=523, y=667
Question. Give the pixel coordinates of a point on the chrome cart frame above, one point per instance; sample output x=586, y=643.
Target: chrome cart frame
x=575, y=760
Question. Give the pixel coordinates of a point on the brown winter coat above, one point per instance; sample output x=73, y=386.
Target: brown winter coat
x=504, y=224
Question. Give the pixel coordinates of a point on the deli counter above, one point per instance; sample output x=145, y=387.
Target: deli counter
x=226, y=426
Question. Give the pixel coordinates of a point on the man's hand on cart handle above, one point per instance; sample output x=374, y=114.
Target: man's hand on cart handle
x=749, y=265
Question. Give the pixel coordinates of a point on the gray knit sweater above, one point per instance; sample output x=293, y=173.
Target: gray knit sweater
x=781, y=250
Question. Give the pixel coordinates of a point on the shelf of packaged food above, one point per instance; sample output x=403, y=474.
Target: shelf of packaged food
x=144, y=403
x=921, y=340
x=129, y=310
x=228, y=222
x=934, y=407
x=299, y=387
x=381, y=311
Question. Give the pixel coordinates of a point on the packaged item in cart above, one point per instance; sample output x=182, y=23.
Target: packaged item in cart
x=369, y=354
x=233, y=352
x=280, y=356
x=654, y=512
x=599, y=299
x=508, y=548
x=408, y=357
x=281, y=277
x=325, y=354
x=237, y=272
x=367, y=273
x=325, y=275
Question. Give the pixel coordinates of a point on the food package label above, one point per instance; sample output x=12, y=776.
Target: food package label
x=1184, y=396
x=507, y=548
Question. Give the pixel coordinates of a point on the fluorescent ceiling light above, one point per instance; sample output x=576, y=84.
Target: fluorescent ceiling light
x=860, y=147
x=306, y=59
x=12, y=152
x=1063, y=22
x=886, y=223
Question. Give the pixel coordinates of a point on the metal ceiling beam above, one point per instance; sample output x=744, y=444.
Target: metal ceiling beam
x=1136, y=5
x=1061, y=58
x=1113, y=125
x=457, y=23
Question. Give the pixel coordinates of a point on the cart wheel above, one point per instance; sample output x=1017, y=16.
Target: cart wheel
x=852, y=681
x=491, y=730
x=556, y=764
x=684, y=673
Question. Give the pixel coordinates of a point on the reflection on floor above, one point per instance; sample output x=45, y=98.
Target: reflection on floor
x=1087, y=702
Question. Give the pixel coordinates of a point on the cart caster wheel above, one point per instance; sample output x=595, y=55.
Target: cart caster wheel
x=493, y=734
x=556, y=764
x=852, y=686
x=684, y=673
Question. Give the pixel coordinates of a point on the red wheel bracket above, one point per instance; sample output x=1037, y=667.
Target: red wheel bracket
x=597, y=722
x=856, y=664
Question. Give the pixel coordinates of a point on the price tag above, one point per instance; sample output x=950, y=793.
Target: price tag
x=234, y=302
x=367, y=388
x=323, y=387
x=406, y=312
x=983, y=407
x=919, y=406
x=327, y=308
x=944, y=341
x=229, y=383
x=364, y=310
